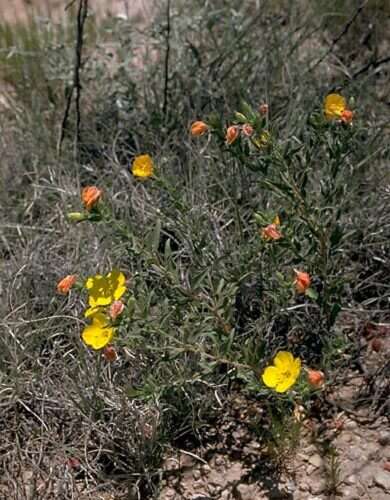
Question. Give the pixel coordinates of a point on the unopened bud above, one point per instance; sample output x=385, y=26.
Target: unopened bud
x=247, y=129
x=110, y=354
x=76, y=216
x=116, y=309
x=232, y=134
x=316, y=378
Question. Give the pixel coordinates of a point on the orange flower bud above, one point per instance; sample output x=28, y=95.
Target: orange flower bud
x=347, y=116
x=110, y=354
x=90, y=196
x=116, y=309
x=263, y=108
x=302, y=281
x=271, y=232
x=199, y=128
x=232, y=134
x=247, y=129
x=66, y=284
x=315, y=378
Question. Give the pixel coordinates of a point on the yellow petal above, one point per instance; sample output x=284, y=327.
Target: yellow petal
x=283, y=360
x=334, y=106
x=296, y=367
x=91, y=280
x=285, y=384
x=91, y=311
x=276, y=221
x=97, y=337
x=119, y=292
x=99, y=301
x=271, y=376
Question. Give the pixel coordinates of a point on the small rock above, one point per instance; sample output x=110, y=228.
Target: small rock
x=196, y=474
x=168, y=494
x=349, y=493
x=212, y=489
x=350, y=480
x=316, y=460
x=356, y=454
x=310, y=450
x=318, y=487
x=245, y=492
x=219, y=460
x=205, y=469
x=382, y=479
x=350, y=425
x=384, y=438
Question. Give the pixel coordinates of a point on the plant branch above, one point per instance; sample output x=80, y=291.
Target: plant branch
x=76, y=83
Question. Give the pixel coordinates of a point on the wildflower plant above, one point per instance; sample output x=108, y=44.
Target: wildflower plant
x=292, y=252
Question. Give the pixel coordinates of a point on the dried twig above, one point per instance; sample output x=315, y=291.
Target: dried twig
x=167, y=51
x=343, y=32
x=76, y=84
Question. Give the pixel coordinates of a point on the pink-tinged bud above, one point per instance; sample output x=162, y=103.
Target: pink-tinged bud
x=66, y=284
x=347, y=116
x=263, y=108
x=302, y=281
x=110, y=354
x=271, y=232
x=316, y=378
x=116, y=309
x=232, y=134
x=247, y=129
x=199, y=128
x=91, y=196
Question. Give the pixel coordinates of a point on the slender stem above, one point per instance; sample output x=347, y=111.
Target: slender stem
x=167, y=53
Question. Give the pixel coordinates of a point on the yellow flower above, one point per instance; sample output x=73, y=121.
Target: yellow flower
x=103, y=290
x=142, y=166
x=99, y=333
x=334, y=106
x=284, y=373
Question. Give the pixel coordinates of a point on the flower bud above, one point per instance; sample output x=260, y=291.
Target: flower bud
x=263, y=108
x=302, y=281
x=247, y=129
x=316, y=378
x=66, y=284
x=199, y=128
x=271, y=232
x=347, y=116
x=76, y=216
x=232, y=134
x=116, y=309
x=91, y=196
x=110, y=354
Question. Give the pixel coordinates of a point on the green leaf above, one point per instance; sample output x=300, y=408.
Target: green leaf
x=336, y=235
x=312, y=294
x=336, y=308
